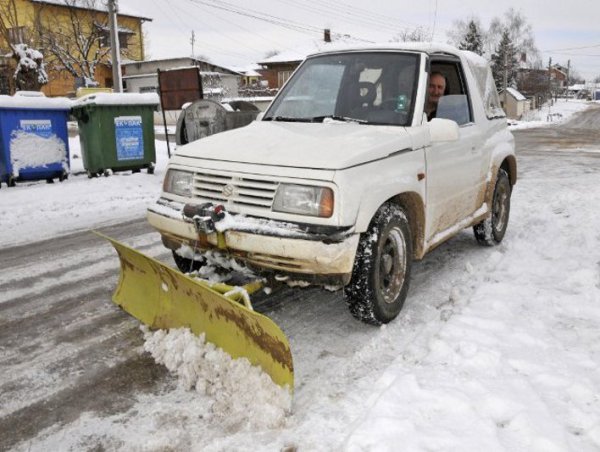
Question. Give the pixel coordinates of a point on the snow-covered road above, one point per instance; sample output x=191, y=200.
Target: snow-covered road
x=496, y=349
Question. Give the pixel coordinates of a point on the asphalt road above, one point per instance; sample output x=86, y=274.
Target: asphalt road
x=65, y=349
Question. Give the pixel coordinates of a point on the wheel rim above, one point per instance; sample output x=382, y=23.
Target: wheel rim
x=501, y=206
x=392, y=266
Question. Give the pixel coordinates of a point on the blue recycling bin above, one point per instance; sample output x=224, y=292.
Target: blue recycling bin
x=34, y=142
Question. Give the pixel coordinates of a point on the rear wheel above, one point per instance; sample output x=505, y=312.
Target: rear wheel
x=186, y=265
x=491, y=230
x=381, y=272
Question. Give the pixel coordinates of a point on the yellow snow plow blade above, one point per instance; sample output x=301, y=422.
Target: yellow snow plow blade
x=164, y=298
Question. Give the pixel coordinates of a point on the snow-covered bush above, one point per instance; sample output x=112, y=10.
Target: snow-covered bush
x=30, y=74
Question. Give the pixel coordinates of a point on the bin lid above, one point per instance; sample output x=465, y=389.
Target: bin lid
x=116, y=99
x=35, y=102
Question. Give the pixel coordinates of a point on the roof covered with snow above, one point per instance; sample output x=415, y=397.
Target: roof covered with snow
x=515, y=94
x=122, y=11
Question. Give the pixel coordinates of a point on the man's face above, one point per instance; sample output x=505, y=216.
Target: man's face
x=437, y=86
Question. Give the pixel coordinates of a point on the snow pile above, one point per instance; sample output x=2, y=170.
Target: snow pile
x=210, y=371
x=560, y=111
x=30, y=150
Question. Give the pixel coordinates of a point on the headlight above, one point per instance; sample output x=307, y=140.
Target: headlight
x=304, y=200
x=178, y=182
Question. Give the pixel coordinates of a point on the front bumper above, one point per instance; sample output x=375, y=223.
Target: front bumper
x=271, y=248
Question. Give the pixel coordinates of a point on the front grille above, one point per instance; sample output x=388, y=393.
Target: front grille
x=234, y=190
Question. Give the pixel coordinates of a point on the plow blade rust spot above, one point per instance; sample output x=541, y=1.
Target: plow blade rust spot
x=164, y=298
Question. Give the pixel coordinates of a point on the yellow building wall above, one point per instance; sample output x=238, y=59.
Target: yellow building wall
x=61, y=82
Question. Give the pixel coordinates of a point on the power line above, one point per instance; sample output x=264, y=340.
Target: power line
x=572, y=48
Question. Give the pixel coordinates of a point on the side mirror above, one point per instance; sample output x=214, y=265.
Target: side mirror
x=443, y=130
x=260, y=116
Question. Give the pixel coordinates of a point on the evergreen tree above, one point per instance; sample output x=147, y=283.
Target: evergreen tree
x=504, y=60
x=473, y=39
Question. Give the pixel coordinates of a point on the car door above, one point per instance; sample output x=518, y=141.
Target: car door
x=454, y=177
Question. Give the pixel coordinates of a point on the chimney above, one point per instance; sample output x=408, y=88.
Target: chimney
x=327, y=35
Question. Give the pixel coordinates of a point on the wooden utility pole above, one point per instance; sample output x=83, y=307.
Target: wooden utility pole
x=568, y=71
x=505, y=79
x=115, y=51
x=550, y=78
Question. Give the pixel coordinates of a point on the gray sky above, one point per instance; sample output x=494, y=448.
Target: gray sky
x=563, y=29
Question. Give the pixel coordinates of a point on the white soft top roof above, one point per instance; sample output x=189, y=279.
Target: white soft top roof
x=118, y=99
x=427, y=47
x=32, y=102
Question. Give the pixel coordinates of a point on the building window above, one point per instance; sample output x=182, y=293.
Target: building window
x=104, y=36
x=282, y=77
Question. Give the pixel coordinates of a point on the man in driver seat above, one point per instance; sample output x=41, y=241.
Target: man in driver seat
x=435, y=90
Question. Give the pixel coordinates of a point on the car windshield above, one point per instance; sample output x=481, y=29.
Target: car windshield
x=359, y=87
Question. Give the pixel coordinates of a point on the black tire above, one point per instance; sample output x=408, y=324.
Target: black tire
x=91, y=175
x=381, y=272
x=11, y=181
x=186, y=265
x=491, y=230
x=150, y=169
x=63, y=176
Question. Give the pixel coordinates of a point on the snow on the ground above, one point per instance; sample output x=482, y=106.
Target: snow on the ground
x=551, y=113
x=509, y=361
x=516, y=367
x=35, y=210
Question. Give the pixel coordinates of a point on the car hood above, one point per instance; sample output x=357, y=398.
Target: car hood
x=331, y=145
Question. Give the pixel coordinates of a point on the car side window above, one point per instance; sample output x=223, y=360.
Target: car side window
x=455, y=104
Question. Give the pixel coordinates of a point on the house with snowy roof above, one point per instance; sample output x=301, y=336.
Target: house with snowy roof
x=514, y=103
x=73, y=37
x=277, y=69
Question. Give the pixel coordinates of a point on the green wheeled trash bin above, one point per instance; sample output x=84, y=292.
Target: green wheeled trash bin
x=116, y=132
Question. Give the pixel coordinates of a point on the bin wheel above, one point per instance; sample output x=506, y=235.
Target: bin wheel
x=64, y=176
x=11, y=181
x=137, y=170
x=49, y=180
x=91, y=175
x=151, y=168
x=107, y=172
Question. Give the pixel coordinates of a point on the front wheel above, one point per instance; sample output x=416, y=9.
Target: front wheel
x=491, y=230
x=381, y=272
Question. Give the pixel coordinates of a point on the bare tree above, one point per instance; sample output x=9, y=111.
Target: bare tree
x=520, y=33
x=412, y=35
x=270, y=53
x=29, y=74
x=79, y=44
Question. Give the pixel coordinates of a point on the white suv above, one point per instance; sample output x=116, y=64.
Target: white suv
x=343, y=180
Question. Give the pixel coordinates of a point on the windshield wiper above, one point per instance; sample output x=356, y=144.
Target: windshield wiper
x=286, y=119
x=338, y=118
